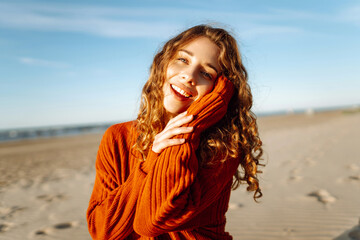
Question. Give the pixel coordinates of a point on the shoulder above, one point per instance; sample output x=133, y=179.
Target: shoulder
x=120, y=134
x=119, y=130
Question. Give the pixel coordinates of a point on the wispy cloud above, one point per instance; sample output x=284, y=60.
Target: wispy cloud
x=351, y=15
x=92, y=20
x=42, y=62
x=290, y=14
x=159, y=22
x=259, y=30
x=124, y=22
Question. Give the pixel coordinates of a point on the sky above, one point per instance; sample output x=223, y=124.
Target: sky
x=80, y=62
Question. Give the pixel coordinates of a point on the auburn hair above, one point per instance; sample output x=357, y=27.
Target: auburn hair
x=235, y=136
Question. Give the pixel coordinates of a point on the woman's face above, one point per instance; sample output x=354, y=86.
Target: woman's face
x=191, y=74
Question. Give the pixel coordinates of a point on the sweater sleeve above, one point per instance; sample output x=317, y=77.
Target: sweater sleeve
x=112, y=204
x=173, y=194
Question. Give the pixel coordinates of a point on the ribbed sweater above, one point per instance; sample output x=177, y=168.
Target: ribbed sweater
x=167, y=196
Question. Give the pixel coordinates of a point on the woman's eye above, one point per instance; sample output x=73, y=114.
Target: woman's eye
x=207, y=75
x=182, y=60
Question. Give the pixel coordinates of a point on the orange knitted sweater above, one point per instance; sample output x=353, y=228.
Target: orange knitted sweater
x=167, y=196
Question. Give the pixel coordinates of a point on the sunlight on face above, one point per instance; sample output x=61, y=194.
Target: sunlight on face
x=191, y=74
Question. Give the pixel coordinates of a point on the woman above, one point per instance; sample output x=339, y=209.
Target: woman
x=169, y=173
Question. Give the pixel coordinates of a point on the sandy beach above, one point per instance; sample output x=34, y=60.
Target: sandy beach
x=311, y=183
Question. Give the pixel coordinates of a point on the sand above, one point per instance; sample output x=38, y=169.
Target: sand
x=311, y=183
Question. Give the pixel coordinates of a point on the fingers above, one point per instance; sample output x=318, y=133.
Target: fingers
x=174, y=127
x=179, y=116
x=175, y=131
x=167, y=143
x=179, y=120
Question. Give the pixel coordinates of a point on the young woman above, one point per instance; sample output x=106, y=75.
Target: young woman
x=169, y=173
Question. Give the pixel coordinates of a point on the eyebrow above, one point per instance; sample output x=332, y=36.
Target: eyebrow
x=207, y=64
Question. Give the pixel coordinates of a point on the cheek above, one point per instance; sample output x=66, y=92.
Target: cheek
x=205, y=88
x=165, y=88
x=170, y=71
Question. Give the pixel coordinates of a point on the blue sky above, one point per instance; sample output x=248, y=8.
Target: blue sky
x=73, y=62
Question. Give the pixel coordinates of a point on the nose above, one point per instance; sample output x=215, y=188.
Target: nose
x=189, y=76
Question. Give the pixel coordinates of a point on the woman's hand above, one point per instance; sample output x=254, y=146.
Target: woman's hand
x=165, y=138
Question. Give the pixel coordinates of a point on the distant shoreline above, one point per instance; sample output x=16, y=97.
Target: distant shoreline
x=49, y=132
x=28, y=133
x=355, y=107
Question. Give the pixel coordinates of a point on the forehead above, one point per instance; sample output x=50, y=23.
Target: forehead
x=204, y=49
x=201, y=43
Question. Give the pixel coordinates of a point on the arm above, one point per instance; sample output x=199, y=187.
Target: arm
x=173, y=193
x=112, y=204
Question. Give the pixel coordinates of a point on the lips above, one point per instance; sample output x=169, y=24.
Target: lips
x=180, y=91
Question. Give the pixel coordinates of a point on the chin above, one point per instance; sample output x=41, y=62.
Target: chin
x=171, y=111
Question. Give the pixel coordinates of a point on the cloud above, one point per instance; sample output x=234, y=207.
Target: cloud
x=42, y=63
x=155, y=22
x=259, y=30
x=289, y=14
x=108, y=22
x=350, y=15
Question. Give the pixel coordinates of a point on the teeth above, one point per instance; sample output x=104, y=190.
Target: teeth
x=179, y=90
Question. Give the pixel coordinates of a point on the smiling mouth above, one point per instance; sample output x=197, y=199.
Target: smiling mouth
x=180, y=91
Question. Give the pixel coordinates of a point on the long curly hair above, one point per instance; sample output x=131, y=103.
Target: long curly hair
x=235, y=136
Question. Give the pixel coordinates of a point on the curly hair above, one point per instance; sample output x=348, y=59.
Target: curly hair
x=235, y=136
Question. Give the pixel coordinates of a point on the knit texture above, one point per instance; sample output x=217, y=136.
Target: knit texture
x=167, y=196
